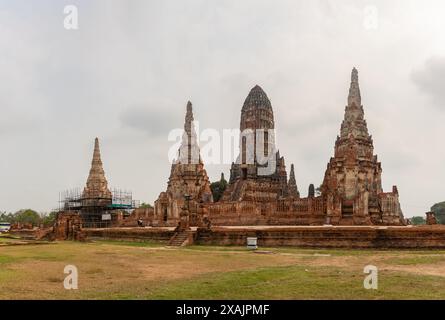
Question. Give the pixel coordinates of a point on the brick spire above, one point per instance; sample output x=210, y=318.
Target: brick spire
x=292, y=184
x=189, y=150
x=352, y=185
x=354, y=123
x=354, y=90
x=97, y=185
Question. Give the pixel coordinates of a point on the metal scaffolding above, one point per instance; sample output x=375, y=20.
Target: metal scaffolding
x=97, y=211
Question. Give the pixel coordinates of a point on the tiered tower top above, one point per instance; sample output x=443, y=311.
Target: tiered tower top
x=97, y=185
x=257, y=111
x=354, y=90
x=292, y=184
x=354, y=123
x=189, y=150
x=354, y=129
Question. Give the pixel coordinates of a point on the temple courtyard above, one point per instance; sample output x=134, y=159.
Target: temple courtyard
x=150, y=270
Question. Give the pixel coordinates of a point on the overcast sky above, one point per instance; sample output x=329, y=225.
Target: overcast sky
x=127, y=73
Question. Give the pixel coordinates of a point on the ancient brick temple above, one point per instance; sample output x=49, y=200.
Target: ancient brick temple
x=259, y=193
x=259, y=173
x=188, y=184
x=352, y=186
x=351, y=193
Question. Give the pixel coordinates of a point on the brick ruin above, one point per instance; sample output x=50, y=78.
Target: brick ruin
x=349, y=210
x=352, y=186
x=431, y=218
x=188, y=181
x=95, y=206
x=259, y=173
x=68, y=226
x=259, y=192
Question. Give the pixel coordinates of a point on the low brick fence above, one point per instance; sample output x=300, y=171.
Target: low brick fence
x=129, y=234
x=421, y=237
x=329, y=237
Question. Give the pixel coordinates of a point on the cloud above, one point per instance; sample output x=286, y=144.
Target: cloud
x=155, y=120
x=430, y=79
x=127, y=73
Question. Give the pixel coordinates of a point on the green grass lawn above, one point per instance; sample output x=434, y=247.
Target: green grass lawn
x=298, y=282
x=148, y=270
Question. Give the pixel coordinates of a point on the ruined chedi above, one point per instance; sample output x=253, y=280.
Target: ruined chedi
x=96, y=192
x=259, y=173
x=352, y=186
x=292, y=184
x=188, y=178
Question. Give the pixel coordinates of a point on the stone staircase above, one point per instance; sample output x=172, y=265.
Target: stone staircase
x=181, y=238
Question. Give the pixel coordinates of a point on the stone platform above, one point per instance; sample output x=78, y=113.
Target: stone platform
x=411, y=237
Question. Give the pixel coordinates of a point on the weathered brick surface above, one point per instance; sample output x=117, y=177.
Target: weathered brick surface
x=187, y=177
x=291, y=211
x=424, y=237
x=96, y=191
x=351, y=193
x=130, y=234
x=68, y=226
x=352, y=186
x=248, y=179
x=143, y=214
x=329, y=237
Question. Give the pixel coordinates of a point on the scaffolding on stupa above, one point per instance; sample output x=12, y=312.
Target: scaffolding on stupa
x=97, y=211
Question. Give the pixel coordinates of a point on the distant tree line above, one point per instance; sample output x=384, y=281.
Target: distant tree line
x=29, y=216
x=439, y=211
x=418, y=221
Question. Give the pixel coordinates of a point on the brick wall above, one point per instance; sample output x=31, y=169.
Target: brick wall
x=130, y=234
x=329, y=237
x=419, y=237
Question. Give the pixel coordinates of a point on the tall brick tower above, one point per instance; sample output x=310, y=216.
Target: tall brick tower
x=188, y=179
x=259, y=173
x=352, y=184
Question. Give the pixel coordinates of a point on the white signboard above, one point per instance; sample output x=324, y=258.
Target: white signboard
x=252, y=243
x=106, y=217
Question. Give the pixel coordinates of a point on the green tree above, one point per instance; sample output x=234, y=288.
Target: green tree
x=27, y=216
x=439, y=210
x=418, y=220
x=144, y=205
x=7, y=217
x=218, y=188
x=48, y=219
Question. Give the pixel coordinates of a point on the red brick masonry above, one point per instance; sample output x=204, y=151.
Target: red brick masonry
x=416, y=237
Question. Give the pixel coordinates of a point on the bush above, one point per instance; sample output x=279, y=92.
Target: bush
x=418, y=220
x=144, y=205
